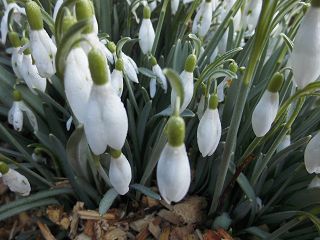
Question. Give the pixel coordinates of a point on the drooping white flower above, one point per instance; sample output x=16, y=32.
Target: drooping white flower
x=130, y=68
x=187, y=83
x=120, y=173
x=305, y=56
x=56, y=9
x=286, y=141
x=266, y=110
x=251, y=15
x=106, y=122
x=16, y=182
x=227, y=5
x=203, y=18
x=312, y=155
x=18, y=11
x=315, y=183
x=173, y=170
x=17, y=56
x=42, y=47
x=226, y=83
x=153, y=87
x=117, y=77
x=174, y=6
x=146, y=32
x=160, y=76
x=77, y=82
x=209, y=129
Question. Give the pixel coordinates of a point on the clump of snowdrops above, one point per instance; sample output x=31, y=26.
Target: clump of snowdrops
x=214, y=98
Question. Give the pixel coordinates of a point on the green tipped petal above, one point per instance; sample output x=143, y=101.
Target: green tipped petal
x=3, y=168
x=276, y=82
x=153, y=61
x=34, y=15
x=190, y=63
x=146, y=12
x=98, y=67
x=213, y=102
x=16, y=95
x=115, y=153
x=176, y=131
x=119, y=64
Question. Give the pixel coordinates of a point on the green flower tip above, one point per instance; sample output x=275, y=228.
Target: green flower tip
x=315, y=3
x=14, y=39
x=190, y=63
x=3, y=168
x=25, y=41
x=153, y=61
x=111, y=46
x=176, y=131
x=115, y=153
x=67, y=22
x=146, y=12
x=276, y=82
x=213, y=102
x=34, y=15
x=16, y=95
x=98, y=67
x=84, y=9
x=119, y=64
x=233, y=67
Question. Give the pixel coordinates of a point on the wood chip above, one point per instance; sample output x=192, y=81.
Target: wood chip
x=154, y=227
x=89, y=228
x=54, y=213
x=181, y=233
x=75, y=219
x=143, y=234
x=165, y=234
x=116, y=234
x=140, y=224
x=94, y=215
x=45, y=231
x=169, y=216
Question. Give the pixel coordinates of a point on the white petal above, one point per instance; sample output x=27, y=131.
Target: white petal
x=201, y=105
x=286, y=141
x=17, y=182
x=173, y=173
x=153, y=87
x=68, y=123
x=77, y=82
x=30, y=115
x=265, y=113
x=16, y=61
x=56, y=9
x=146, y=36
x=202, y=20
x=153, y=5
x=117, y=81
x=312, y=155
x=130, y=68
x=106, y=122
x=315, y=183
x=120, y=174
x=17, y=117
x=158, y=72
x=174, y=6
x=251, y=14
x=306, y=51
x=209, y=132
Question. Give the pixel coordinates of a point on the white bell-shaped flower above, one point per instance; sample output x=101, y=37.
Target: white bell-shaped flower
x=227, y=5
x=173, y=170
x=203, y=18
x=120, y=172
x=130, y=68
x=315, y=183
x=251, y=15
x=267, y=108
x=156, y=69
x=117, y=77
x=17, y=56
x=187, y=83
x=42, y=47
x=209, y=129
x=174, y=6
x=77, y=82
x=305, y=58
x=153, y=87
x=15, y=181
x=146, y=32
x=312, y=155
x=106, y=122
x=4, y=21
x=56, y=9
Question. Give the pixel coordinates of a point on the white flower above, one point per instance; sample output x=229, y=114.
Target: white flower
x=153, y=87
x=173, y=173
x=17, y=11
x=315, y=183
x=286, y=141
x=201, y=105
x=174, y=6
x=226, y=83
x=77, y=82
x=130, y=68
x=203, y=18
x=265, y=113
x=153, y=5
x=120, y=174
x=158, y=72
x=16, y=61
x=306, y=51
x=117, y=81
x=146, y=32
x=251, y=15
x=16, y=182
x=56, y=9
x=43, y=51
x=209, y=129
x=312, y=155
x=31, y=75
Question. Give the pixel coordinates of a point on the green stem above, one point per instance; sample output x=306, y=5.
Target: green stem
x=159, y=26
x=261, y=37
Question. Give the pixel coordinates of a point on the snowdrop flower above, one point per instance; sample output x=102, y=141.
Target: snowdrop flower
x=15, y=115
x=173, y=170
x=153, y=5
x=42, y=47
x=130, y=68
x=106, y=122
x=201, y=106
x=315, y=183
x=251, y=15
x=85, y=10
x=306, y=51
x=158, y=72
x=146, y=32
x=203, y=18
x=119, y=172
x=56, y=9
x=15, y=181
x=226, y=83
x=30, y=72
x=16, y=57
x=77, y=82
x=187, y=82
x=286, y=141
x=117, y=77
x=209, y=129
x=312, y=155
x=17, y=12
x=266, y=110
x=174, y=6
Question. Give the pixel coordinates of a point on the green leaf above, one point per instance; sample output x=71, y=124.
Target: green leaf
x=120, y=45
x=176, y=83
x=287, y=41
x=107, y=201
x=196, y=42
x=146, y=191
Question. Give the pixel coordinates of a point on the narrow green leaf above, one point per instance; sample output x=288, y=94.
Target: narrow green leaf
x=107, y=201
x=146, y=191
x=176, y=83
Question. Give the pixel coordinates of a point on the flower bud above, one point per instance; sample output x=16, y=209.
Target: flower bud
x=276, y=82
x=213, y=102
x=119, y=64
x=233, y=67
x=153, y=61
x=146, y=12
x=98, y=67
x=16, y=95
x=14, y=39
x=34, y=15
x=190, y=63
x=111, y=46
x=176, y=131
